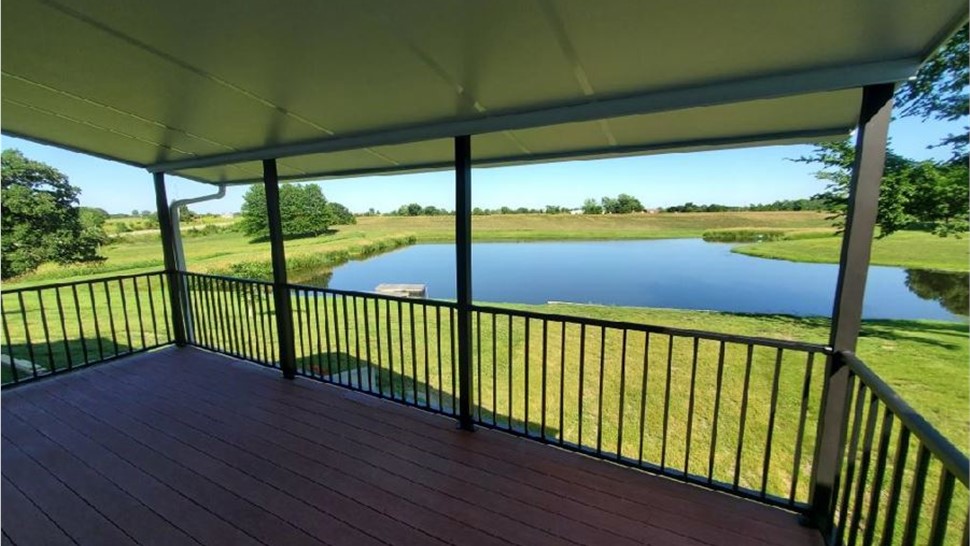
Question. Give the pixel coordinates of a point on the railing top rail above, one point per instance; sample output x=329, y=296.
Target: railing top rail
x=227, y=278
x=83, y=281
x=653, y=329
x=952, y=458
x=358, y=293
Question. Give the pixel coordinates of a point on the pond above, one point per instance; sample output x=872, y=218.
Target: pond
x=672, y=273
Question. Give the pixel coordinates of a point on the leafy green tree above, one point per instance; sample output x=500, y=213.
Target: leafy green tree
x=341, y=215
x=914, y=194
x=590, y=206
x=939, y=91
x=925, y=195
x=186, y=214
x=41, y=220
x=304, y=211
x=622, y=204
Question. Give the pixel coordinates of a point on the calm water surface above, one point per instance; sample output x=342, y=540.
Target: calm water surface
x=674, y=273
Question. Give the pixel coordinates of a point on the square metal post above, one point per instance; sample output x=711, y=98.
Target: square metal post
x=168, y=253
x=463, y=269
x=860, y=222
x=281, y=290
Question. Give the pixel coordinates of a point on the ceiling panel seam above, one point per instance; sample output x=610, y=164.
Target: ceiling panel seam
x=195, y=70
x=558, y=28
x=97, y=127
x=429, y=61
x=116, y=110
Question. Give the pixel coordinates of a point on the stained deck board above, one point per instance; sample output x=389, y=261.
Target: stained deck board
x=183, y=446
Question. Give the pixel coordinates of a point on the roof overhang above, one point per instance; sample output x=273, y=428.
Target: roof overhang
x=337, y=88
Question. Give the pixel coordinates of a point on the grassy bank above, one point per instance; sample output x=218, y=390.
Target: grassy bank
x=912, y=249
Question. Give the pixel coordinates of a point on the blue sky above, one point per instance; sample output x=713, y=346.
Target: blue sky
x=730, y=177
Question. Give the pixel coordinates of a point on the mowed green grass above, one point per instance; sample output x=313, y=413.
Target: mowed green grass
x=912, y=249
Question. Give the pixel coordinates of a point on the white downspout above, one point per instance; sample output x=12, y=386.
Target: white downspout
x=180, y=251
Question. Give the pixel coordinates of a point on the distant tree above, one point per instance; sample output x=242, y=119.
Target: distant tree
x=341, y=215
x=590, y=206
x=134, y=212
x=186, y=214
x=41, y=220
x=145, y=213
x=151, y=220
x=304, y=211
x=621, y=204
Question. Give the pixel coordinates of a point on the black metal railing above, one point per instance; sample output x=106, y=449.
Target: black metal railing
x=59, y=327
x=396, y=348
x=733, y=413
x=902, y=482
x=232, y=316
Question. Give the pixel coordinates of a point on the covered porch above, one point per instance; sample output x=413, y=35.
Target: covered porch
x=186, y=443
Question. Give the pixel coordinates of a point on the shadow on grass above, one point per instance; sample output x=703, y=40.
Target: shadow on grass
x=916, y=331
x=294, y=236
x=360, y=374
x=40, y=358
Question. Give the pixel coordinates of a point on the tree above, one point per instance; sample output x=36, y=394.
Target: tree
x=622, y=204
x=590, y=206
x=915, y=194
x=304, y=211
x=939, y=91
x=186, y=214
x=41, y=220
x=341, y=215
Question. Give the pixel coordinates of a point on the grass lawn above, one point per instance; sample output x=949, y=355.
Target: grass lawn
x=904, y=249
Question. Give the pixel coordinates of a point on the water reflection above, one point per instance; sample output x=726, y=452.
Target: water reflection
x=951, y=290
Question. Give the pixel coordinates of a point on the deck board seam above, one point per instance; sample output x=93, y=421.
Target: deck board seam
x=40, y=510
x=390, y=492
x=69, y=488
x=635, y=522
x=81, y=432
x=267, y=461
x=320, y=402
x=183, y=466
x=429, y=469
x=104, y=478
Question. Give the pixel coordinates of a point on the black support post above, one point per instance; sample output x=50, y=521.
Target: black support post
x=463, y=254
x=860, y=222
x=281, y=292
x=171, y=267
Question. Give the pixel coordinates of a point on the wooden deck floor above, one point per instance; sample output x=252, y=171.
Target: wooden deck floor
x=181, y=446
